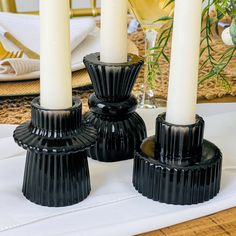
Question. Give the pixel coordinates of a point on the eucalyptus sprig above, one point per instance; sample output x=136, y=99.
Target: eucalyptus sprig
x=209, y=28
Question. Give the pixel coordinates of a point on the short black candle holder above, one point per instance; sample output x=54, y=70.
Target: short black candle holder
x=112, y=108
x=56, y=169
x=177, y=166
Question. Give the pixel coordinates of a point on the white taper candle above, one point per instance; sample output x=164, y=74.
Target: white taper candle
x=55, y=55
x=114, y=31
x=182, y=93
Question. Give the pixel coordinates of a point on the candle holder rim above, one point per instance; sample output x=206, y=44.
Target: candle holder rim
x=41, y=140
x=162, y=117
x=132, y=60
x=76, y=103
x=217, y=155
x=28, y=143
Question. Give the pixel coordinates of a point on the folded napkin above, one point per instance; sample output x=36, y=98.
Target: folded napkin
x=19, y=66
x=113, y=207
x=26, y=29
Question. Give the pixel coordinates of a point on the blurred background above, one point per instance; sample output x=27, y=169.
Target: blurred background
x=33, y=5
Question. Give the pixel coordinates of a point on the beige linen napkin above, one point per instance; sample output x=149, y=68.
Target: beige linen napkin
x=19, y=66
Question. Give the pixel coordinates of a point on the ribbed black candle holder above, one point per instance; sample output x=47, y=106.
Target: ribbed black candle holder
x=112, y=108
x=177, y=166
x=56, y=169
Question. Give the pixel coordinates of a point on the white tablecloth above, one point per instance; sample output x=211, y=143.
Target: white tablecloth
x=113, y=207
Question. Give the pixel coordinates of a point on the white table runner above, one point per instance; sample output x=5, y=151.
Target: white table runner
x=113, y=207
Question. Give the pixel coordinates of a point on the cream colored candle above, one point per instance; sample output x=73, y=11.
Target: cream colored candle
x=182, y=93
x=114, y=31
x=55, y=55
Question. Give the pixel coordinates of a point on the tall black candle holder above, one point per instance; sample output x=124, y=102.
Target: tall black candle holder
x=177, y=166
x=56, y=169
x=112, y=108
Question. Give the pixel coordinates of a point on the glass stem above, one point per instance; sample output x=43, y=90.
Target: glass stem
x=150, y=42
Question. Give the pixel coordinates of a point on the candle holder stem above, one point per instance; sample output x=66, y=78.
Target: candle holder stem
x=146, y=99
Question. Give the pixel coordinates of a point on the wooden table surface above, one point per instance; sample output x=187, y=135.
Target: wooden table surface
x=219, y=224
x=222, y=223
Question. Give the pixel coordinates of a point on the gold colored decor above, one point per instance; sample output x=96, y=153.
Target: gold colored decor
x=10, y=6
x=93, y=11
x=29, y=53
x=4, y=54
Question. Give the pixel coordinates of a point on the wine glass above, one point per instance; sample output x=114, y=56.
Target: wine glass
x=147, y=12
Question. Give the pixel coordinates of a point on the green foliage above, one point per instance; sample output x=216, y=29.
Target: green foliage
x=223, y=8
x=209, y=24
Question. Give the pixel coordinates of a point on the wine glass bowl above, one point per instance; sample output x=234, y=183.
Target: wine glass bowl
x=149, y=13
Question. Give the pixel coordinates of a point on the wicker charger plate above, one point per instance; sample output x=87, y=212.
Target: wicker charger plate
x=80, y=79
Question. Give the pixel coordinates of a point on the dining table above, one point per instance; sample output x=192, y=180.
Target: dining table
x=15, y=110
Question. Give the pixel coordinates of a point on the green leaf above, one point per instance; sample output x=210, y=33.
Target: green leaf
x=163, y=18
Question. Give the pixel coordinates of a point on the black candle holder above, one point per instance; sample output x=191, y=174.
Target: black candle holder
x=56, y=169
x=176, y=166
x=112, y=108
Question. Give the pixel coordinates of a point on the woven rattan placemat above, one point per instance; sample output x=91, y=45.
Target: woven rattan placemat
x=31, y=87
x=210, y=89
x=80, y=79
x=14, y=110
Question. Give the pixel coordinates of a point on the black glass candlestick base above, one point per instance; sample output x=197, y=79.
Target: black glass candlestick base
x=112, y=108
x=56, y=169
x=176, y=166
